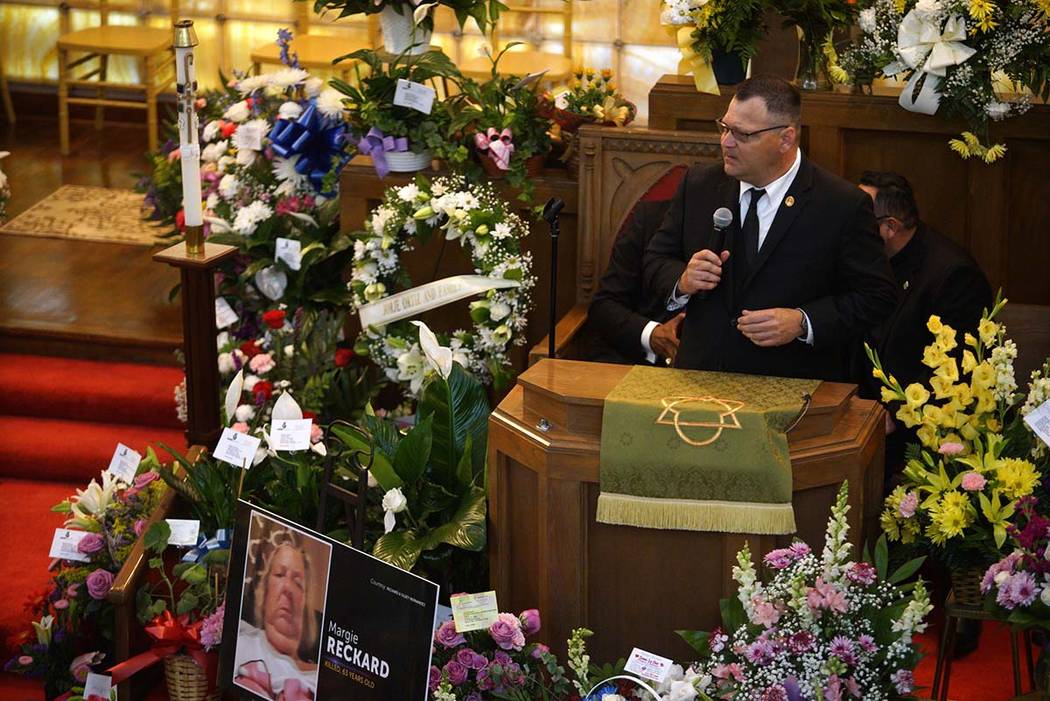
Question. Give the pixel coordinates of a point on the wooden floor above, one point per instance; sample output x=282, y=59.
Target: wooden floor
x=78, y=298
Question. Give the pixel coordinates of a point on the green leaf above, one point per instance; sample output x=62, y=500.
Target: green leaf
x=156, y=536
x=733, y=615
x=187, y=602
x=465, y=471
x=881, y=556
x=194, y=574
x=466, y=530
x=698, y=640
x=413, y=452
x=459, y=408
x=398, y=548
x=156, y=563
x=906, y=570
x=382, y=469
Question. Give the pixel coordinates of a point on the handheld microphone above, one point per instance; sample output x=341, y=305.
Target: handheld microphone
x=722, y=218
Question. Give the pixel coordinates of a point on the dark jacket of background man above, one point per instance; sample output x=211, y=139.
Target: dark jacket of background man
x=623, y=306
x=821, y=255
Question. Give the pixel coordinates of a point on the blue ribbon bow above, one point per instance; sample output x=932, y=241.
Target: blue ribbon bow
x=221, y=541
x=376, y=145
x=316, y=139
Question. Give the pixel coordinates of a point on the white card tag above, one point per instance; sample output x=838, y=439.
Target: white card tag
x=474, y=611
x=64, y=545
x=224, y=314
x=190, y=152
x=290, y=434
x=236, y=448
x=414, y=95
x=184, y=531
x=290, y=251
x=97, y=687
x=124, y=463
x=648, y=666
x=1038, y=420
x=249, y=136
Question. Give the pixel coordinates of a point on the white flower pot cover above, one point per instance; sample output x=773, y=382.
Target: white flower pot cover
x=408, y=162
x=399, y=32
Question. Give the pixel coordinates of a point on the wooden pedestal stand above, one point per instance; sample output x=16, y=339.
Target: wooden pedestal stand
x=198, y=337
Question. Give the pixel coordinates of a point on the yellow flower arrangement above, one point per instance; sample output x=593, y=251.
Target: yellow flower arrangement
x=959, y=488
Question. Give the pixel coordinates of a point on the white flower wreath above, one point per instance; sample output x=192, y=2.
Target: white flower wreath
x=484, y=225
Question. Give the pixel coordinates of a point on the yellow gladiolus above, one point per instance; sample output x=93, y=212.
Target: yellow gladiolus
x=948, y=370
x=942, y=387
x=946, y=338
x=987, y=330
x=983, y=376
x=932, y=415
x=888, y=395
x=968, y=430
x=985, y=402
x=878, y=374
x=968, y=362
x=993, y=425
x=916, y=395
x=963, y=394
x=928, y=435
x=908, y=415
x=934, y=324
x=969, y=340
x=933, y=356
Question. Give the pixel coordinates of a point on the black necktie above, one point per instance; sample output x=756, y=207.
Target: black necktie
x=750, y=227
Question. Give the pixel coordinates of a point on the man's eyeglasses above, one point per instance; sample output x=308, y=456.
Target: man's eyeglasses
x=744, y=136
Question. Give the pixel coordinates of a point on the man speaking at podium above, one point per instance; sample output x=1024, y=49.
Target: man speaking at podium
x=792, y=282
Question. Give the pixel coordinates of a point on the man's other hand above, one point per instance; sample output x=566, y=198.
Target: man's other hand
x=664, y=339
x=770, y=327
x=703, y=272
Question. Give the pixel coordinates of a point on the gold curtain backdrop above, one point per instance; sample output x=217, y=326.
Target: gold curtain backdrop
x=624, y=35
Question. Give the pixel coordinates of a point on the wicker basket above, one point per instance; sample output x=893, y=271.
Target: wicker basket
x=966, y=585
x=187, y=681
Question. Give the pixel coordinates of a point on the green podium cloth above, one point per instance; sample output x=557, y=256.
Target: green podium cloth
x=700, y=451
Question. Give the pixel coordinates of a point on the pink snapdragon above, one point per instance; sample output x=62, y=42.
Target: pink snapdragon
x=909, y=503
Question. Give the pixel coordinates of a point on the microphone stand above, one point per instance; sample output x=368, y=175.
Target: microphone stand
x=551, y=213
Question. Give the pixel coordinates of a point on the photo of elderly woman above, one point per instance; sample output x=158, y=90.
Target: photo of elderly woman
x=282, y=605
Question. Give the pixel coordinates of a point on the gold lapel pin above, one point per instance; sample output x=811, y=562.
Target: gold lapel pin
x=789, y=200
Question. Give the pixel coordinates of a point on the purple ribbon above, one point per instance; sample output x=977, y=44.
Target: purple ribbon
x=376, y=145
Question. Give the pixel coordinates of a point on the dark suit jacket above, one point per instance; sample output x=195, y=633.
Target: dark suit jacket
x=623, y=305
x=822, y=254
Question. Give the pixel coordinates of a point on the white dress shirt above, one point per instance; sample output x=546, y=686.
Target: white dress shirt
x=767, y=211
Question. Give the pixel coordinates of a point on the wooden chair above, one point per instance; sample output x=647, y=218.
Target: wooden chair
x=150, y=46
x=558, y=67
x=315, y=51
x=5, y=93
x=618, y=166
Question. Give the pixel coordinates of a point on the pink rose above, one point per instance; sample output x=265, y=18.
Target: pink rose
x=909, y=503
x=506, y=632
x=973, y=481
x=240, y=427
x=99, y=583
x=91, y=544
x=447, y=637
x=62, y=604
x=530, y=621
x=950, y=448
x=262, y=363
x=72, y=590
x=25, y=660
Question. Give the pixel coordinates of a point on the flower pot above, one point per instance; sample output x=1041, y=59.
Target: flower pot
x=489, y=166
x=534, y=164
x=186, y=680
x=399, y=32
x=408, y=161
x=966, y=585
x=728, y=67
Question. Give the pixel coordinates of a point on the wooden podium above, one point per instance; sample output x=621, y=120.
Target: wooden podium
x=636, y=586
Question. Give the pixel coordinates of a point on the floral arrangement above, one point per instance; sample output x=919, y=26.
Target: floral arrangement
x=496, y=662
x=816, y=22
x=703, y=27
x=976, y=43
x=591, y=97
x=961, y=482
x=73, y=614
x=1020, y=581
x=484, y=12
x=1038, y=394
x=5, y=188
x=383, y=127
x=823, y=627
x=483, y=224
x=195, y=591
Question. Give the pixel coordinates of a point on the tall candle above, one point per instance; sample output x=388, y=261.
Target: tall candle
x=189, y=146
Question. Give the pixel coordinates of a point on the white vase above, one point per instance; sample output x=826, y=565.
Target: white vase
x=399, y=32
x=407, y=161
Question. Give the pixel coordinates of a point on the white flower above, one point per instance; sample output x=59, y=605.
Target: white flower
x=287, y=77
x=248, y=218
x=681, y=691
x=612, y=697
x=211, y=130
x=43, y=629
x=250, y=381
x=498, y=310
x=253, y=83
x=211, y=202
x=330, y=103
x=213, y=152
x=1044, y=595
x=928, y=7
x=289, y=350
x=502, y=231
x=226, y=365
x=92, y=502
x=997, y=110
x=411, y=368
x=561, y=100
x=249, y=136
x=439, y=357
x=408, y=192
x=244, y=413
x=394, y=502
x=290, y=179
x=245, y=157
x=867, y=20
x=289, y=110
x=312, y=86
x=237, y=112
x=228, y=186
x=233, y=395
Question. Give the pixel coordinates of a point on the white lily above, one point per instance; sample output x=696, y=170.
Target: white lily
x=91, y=502
x=233, y=395
x=439, y=357
x=394, y=502
x=43, y=629
x=421, y=12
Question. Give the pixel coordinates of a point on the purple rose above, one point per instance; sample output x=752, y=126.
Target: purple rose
x=435, y=678
x=470, y=659
x=98, y=583
x=457, y=673
x=539, y=650
x=501, y=658
x=91, y=544
x=145, y=478
x=447, y=637
x=530, y=621
x=506, y=632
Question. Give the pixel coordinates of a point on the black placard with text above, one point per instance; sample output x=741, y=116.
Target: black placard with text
x=309, y=618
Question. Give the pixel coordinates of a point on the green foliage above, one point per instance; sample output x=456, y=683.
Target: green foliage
x=484, y=12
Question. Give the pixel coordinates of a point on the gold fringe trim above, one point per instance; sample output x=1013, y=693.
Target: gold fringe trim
x=696, y=515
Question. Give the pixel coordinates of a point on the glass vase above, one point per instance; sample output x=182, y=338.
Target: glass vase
x=812, y=71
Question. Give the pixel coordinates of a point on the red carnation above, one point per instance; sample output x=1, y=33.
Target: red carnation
x=262, y=390
x=227, y=129
x=250, y=349
x=274, y=318
x=343, y=356
x=180, y=220
x=309, y=414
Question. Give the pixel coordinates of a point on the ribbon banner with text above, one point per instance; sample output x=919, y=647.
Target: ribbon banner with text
x=410, y=303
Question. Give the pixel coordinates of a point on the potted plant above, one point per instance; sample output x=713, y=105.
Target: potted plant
x=816, y=22
x=399, y=139
x=504, y=120
x=591, y=98
x=717, y=37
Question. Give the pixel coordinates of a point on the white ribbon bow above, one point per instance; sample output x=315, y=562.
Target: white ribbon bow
x=929, y=49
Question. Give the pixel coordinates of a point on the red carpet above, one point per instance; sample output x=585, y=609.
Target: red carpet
x=62, y=419
x=984, y=675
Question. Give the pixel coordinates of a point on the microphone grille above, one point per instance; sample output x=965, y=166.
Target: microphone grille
x=723, y=217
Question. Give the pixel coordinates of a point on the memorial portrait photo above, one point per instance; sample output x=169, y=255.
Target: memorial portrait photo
x=282, y=607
